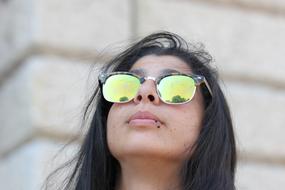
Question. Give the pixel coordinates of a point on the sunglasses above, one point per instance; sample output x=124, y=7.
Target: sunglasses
x=174, y=88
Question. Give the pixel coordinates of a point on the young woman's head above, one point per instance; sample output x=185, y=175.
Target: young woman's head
x=145, y=126
x=159, y=101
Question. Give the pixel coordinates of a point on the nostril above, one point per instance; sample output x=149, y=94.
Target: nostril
x=139, y=97
x=151, y=97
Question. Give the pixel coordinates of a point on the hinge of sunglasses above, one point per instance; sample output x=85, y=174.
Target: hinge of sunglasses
x=102, y=77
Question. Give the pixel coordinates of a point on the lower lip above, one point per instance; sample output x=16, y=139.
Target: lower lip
x=143, y=122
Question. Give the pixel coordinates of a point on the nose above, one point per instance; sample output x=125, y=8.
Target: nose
x=147, y=93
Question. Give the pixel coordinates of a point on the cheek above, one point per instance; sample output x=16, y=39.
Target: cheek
x=186, y=130
x=111, y=129
x=111, y=120
x=185, y=125
x=115, y=128
x=115, y=116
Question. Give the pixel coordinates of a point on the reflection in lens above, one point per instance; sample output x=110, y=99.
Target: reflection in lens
x=178, y=99
x=176, y=88
x=120, y=88
x=124, y=99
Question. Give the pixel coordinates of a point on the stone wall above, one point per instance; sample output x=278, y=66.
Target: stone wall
x=48, y=49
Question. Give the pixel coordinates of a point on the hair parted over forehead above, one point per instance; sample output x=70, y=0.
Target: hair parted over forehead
x=213, y=161
x=163, y=43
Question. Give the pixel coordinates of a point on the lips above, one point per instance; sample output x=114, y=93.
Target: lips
x=144, y=118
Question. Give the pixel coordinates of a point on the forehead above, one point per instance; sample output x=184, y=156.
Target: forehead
x=156, y=65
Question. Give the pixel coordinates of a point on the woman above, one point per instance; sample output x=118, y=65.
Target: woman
x=160, y=122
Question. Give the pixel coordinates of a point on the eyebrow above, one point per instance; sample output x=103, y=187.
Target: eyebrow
x=142, y=72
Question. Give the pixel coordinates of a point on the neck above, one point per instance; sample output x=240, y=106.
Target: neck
x=137, y=174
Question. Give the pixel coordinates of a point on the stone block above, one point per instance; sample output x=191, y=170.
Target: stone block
x=258, y=115
x=47, y=97
x=28, y=166
x=82, y=24
x=259, y=176
x=70, y=26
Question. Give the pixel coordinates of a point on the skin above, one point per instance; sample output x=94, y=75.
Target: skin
x=151, y=157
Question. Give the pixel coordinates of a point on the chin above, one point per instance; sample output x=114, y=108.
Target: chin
x=143, y=151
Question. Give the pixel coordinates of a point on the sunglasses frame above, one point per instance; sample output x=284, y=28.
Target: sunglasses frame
x=198, y=80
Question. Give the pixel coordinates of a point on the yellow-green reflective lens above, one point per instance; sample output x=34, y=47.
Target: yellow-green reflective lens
x=120, y=88
x=177, y=88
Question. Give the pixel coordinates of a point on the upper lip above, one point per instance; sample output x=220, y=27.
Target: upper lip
x=144, y=115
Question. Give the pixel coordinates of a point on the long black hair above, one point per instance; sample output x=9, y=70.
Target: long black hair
x=213, y=162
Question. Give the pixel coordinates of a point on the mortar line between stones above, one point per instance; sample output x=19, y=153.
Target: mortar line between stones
x=245, y=6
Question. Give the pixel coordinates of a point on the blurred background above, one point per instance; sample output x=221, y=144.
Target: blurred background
x=49, y=55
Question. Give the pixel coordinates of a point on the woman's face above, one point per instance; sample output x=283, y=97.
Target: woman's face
x=179, y=125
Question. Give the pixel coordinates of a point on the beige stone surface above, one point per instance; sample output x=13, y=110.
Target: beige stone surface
x=259, y=176
x=45, y=96
x=75, y=26
x=16, y=31
x=258, y=114
x=268, y=4
x=60, y=91
x=28, y=166
x=244, y=44
x=83, y=24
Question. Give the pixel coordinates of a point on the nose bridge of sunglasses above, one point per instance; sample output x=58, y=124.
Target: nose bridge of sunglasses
x=151, y=82
x=143, y=79
x=150, y=78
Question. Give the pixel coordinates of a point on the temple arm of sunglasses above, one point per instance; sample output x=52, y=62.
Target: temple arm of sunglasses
x=201, y=79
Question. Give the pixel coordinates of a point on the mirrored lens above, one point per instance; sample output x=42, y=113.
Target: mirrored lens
x=120, y=88
x=176, y=89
